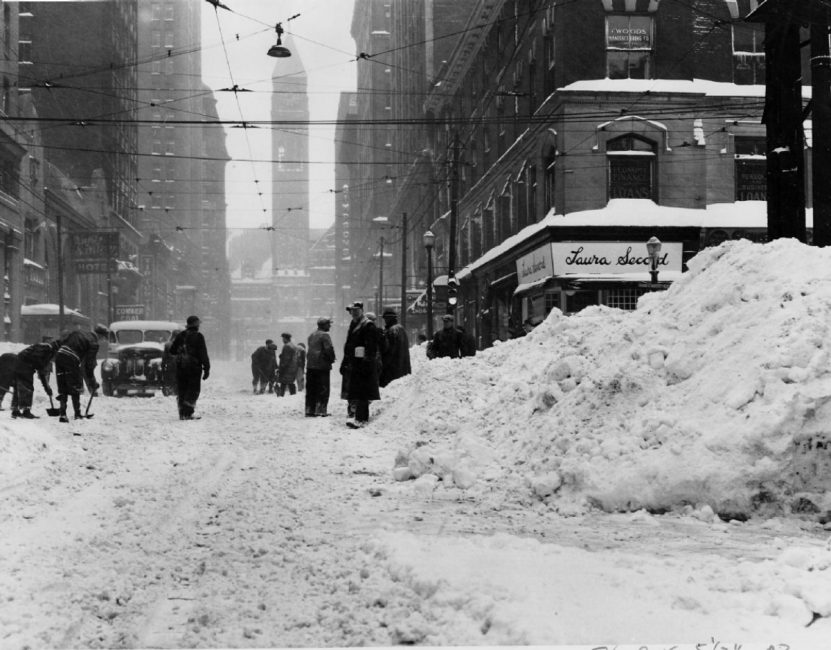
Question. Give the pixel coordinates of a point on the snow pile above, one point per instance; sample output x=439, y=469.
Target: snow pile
x=714, y=394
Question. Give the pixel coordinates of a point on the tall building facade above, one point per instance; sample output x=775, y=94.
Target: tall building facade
x=290, y=193
x=557, y=138
x=181, y=188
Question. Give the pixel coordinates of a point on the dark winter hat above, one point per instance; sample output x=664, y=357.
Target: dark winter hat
x=286, y=335
x=101, y=330
x=389, y=311
x=355, y=305
x=447, y=317
x=323, y=321
x=269, y=342
x=193, y=320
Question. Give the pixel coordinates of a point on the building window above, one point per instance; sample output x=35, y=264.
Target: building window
x=624, y=298
x=631, y=160
x=751, y=168
x=629, y=42
x=748, y=54
x=550, y=180
x=156, y=11
x=168, y=12
x=9, y=177
x=156, y=38
x=30, y=239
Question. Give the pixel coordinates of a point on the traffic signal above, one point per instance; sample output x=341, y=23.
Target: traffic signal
x=452, y=291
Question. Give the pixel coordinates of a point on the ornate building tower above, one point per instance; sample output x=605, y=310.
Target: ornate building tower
x=290, y=192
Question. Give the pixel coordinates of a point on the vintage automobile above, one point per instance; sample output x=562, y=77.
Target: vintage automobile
x=134, y=358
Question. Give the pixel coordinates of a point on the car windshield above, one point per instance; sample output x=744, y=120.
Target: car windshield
x=157, y=336
x=126, y=337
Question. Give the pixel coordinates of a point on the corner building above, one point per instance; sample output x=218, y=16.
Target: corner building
x=558, y=137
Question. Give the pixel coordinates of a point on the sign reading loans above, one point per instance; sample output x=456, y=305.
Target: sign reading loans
x=612, y=258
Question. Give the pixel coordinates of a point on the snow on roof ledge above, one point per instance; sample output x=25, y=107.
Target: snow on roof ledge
x=46, y=309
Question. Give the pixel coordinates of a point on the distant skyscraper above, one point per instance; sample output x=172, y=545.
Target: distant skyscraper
x=290, y=169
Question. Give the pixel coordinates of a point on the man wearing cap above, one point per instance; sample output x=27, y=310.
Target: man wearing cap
x=359, y=369
x=395, y=349
x=447, y=342
x=263, y=365
x=319, y=359
x=36, y=358
x=192, y=367
x=287, y=371
x=75, y=363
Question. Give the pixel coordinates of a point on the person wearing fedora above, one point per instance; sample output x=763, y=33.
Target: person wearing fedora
x=395, y=349
x=192, y=367
x=319, y=360
x=358, y=367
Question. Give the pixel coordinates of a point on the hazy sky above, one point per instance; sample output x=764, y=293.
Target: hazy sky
x=321, y=35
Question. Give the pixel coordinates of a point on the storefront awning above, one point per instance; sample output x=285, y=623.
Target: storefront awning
x=528, y=286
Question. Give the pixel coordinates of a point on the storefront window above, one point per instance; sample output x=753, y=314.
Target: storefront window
x=580, y=300
x=629, y=42
x=624, y=298
x=751, y=169
x=631, y=167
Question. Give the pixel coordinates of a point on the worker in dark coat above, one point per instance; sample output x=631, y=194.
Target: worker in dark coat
x=169, y=367
x=192, y=367
x=301, y=366
x=263, y=365
x=319, y=360
x=447, y=342
x=287, y=370
x=75, y=364
x=8, y=360
x=395, y=349
x=34, y=359
x=359, y=367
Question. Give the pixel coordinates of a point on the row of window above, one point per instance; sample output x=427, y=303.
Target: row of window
x=630, y=44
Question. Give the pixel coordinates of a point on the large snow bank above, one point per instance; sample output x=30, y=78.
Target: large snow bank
x=714, y=395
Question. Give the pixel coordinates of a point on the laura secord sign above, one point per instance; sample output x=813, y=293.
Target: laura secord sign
x=615, y=258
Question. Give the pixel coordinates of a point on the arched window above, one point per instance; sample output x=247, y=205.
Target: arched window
x=631, y=167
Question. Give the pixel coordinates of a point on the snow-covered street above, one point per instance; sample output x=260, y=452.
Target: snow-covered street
x=609, y=479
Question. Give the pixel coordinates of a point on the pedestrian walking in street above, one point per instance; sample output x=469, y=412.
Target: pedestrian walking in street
x=359, y=366
x=263, y=365
x=8, y=360
x=301, y=366
x=193, y=366
x=319, y=360
x=447, y=342
x=287, y=369
x=36, y=358
x=395, y=349
x=75, y=364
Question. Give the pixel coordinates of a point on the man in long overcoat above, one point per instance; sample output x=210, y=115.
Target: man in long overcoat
x=192, y=367
x=35, y=359
x=359, y=367
x=287, y=370
x=319, y=360
x=395, y=349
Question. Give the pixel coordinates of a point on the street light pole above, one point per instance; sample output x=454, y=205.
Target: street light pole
x=429, y=240
x=403, y=309
x=380, y=305
x=653, y=247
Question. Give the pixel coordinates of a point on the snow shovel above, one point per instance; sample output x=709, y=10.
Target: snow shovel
x=52, y=410
x=87, y=414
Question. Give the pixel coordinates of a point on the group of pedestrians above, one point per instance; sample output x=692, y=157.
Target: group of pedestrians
x=277, y=374
x=74, y=355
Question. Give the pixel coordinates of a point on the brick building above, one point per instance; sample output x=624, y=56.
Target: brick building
x=557, y=138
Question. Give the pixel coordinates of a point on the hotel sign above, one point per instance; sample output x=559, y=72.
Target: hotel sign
x=611, y=258
x=535, y=266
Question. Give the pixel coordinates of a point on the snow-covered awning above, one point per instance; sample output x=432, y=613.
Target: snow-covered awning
x=46, y=309
x=527, y=286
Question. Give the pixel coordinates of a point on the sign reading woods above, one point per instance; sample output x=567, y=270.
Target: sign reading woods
x=612, y=258
x=94, y=251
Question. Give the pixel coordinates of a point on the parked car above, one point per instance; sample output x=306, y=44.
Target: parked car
x=135, y=356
